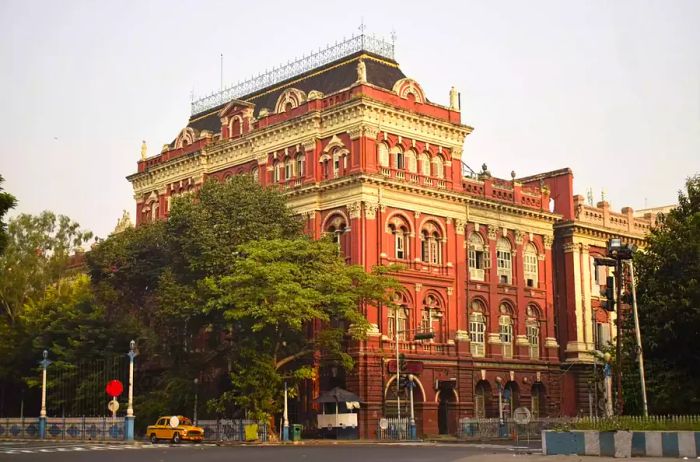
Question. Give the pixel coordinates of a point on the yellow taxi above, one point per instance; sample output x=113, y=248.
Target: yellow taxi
x=175, y=428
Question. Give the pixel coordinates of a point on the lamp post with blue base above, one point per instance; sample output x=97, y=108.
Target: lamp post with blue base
x=285, y=417
x=42, y=415
x=129, y=421
x=412, y=422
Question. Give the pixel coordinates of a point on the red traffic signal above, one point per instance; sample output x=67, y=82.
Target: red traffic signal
x=114, y=388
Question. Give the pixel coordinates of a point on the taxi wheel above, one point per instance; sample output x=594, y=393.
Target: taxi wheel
x=176, y=438
x=154, y=440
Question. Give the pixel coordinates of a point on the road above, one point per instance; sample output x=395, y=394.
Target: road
x=353, y=452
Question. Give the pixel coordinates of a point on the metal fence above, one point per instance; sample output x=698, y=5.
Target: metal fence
x=396, y=429
x=69, y=428
x=19, y=428
x=231, y=429
x=494, y=428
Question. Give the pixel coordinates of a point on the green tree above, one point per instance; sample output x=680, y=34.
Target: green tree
x=668, y=272
x=286, y=300
x=37, y=255
x=7, y=201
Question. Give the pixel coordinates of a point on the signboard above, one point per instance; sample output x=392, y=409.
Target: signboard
x=383, y=423
x=113, y=406
x=114, y=388
x=522, y=416
x=412, y=367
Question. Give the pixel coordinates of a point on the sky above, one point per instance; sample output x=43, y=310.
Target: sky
x=610, y=89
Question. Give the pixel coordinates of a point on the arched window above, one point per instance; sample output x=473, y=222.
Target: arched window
x=336, y=163
x=505, y=325
x=439, y=164
x=478, y=257
x=431, y=245
x=383, y=154
x=505, y=258
x=477, y=329
x=235, y=127
x=337, y=229
x=482, y=396
x=431, y=318
x=301, y=165
x=532, y=326
x=276, y=171
x=530, y=265
x=425, y=164
x=512, y=391
x=411, y=165
x=288, y=169
x=398, y=158
x=400, y=233
x=401, y=311
x=255, y=174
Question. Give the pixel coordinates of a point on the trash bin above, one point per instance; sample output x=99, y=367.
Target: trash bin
x=296, y=432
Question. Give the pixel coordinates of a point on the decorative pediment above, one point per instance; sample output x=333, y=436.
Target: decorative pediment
x=187, y=136
x=406, y=87
x=289, y=99
x=334, y=143
x=235, y=106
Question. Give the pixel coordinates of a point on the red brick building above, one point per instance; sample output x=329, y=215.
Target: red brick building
x=363, y=154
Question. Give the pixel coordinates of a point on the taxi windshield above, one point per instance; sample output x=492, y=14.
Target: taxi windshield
x=185, y=421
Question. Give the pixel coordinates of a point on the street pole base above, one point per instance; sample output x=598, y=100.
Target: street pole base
x=129, y=428
x=42, y=427
x=285, y=433
x=412, y=432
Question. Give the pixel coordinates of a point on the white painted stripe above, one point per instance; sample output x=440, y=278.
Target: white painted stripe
x=686, y=444
x=653, y=444
x=591, y=441
x=46, y=450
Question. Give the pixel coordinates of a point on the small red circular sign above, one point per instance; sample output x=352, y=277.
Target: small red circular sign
x=114, y=388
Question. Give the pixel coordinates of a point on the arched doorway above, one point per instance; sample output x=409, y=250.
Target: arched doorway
x=446, y=401
x=482, y=395
x=511, y=398
x=538, y=403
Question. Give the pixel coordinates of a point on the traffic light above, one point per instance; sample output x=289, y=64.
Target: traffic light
x=402, y=362
x=609, y=304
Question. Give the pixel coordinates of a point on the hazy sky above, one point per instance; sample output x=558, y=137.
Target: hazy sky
x=610, y=89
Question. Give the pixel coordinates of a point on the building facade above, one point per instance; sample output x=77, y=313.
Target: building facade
x=362, y=154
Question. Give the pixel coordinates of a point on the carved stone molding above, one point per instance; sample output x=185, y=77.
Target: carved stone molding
x=371, y=210
x=419, y=286
x=371, y=131
x=548, y=240
x=493, y=231
x=354, y=209
x=460, y=225
x=519, y=235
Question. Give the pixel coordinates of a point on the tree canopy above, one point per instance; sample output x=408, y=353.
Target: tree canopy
x=7, y=201
x=668, y=290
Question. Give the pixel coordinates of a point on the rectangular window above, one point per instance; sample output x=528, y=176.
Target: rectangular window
x=476, y=337
x=530, y=269
x=400, y=254
x=506, y=331
x=533, y=339
x=602, y=335
x=504, y=263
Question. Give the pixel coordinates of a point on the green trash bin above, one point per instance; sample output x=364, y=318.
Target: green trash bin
x=296, y=432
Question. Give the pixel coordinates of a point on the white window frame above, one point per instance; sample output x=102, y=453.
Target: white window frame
x=533, y=338
x=504, y=258
x=505, y=324
x=477, y=334
x=531, y=265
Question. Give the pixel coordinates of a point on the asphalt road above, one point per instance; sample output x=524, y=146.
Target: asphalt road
x=57, y=452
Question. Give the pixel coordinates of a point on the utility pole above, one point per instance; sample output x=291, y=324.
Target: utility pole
x=398, y=371
x=638, y=335
x=618, y=339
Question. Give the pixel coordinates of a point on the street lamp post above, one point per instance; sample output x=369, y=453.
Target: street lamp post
x=398, y=385
x=638, y=334
x=129, y=421
x=42, y=415
x=196, y=392
x=412, y=421
x=607, y=372
x=285, y=422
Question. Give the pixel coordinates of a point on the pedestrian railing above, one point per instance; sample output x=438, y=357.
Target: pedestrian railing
x=393, y=428
x=494, y=428
x=234, y=430
x=65, y=428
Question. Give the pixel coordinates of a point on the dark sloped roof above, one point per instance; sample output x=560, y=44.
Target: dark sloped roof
x=327, y=79
x=337, y=395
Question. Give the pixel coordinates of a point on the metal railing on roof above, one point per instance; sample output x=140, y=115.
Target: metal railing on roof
x=306, y=63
